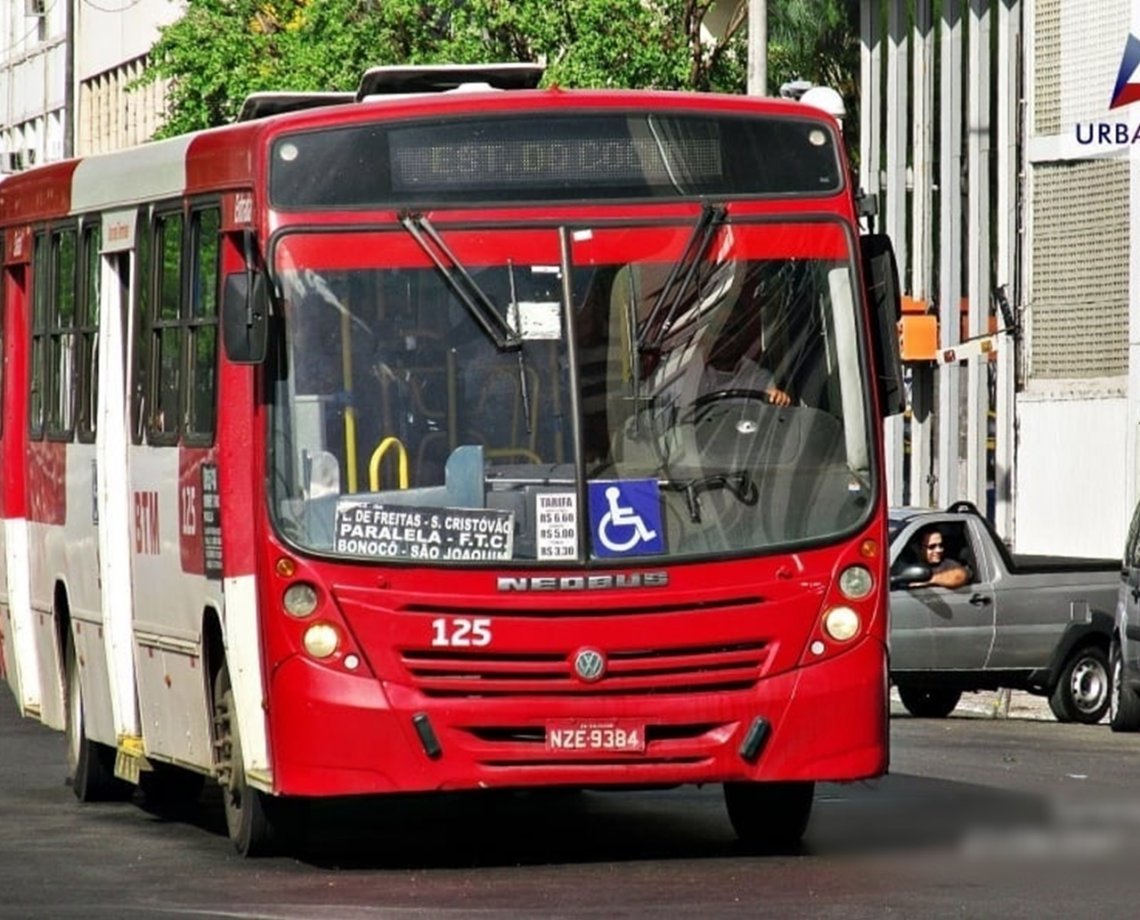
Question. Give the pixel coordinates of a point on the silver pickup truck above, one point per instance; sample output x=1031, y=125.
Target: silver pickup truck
x=1035, y=623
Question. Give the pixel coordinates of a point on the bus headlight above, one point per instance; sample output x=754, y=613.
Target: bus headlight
x=300, y=600
x=321, y=640
x=855, y=582
x=841, y=623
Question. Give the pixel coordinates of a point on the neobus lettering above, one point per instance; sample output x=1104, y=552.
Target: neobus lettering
x=587, y=583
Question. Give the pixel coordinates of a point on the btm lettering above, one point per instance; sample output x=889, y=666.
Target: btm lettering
x=146, y=523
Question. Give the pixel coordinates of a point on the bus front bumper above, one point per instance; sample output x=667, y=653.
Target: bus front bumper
x=334, y=733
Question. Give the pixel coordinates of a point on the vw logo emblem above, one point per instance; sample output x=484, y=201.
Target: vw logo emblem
x=747, y=426
x=590, y=665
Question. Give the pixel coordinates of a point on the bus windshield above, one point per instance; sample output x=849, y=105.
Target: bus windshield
x=655, y=392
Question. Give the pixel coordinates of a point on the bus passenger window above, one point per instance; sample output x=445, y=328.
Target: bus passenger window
x=203, y=325
x=87, y=334
x=166, y=337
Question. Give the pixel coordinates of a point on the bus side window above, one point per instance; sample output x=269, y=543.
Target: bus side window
x=141, y=331
x=166, y=331
x=40, y=292
x=87, y=333
x=202, y=325
x=60, y=373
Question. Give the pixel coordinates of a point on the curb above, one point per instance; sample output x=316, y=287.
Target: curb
x=993, y=704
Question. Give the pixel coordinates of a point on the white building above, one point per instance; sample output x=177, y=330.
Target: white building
x=77, y=56
x=995, y=177
x=1079, y=410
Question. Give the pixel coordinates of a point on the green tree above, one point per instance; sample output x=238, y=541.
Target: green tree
x=816, y=40
x=222, y=50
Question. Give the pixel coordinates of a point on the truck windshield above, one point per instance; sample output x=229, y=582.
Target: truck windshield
x=729, y=415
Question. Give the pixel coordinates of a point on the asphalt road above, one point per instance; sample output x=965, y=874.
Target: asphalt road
x=980, y=817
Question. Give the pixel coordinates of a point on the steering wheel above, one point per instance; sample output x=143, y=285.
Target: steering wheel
x=700, y=405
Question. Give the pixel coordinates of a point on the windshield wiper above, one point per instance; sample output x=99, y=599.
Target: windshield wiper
x=740, y=484
x=680, y=277
x=462, y=285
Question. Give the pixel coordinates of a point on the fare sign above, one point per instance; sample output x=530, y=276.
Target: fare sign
x=596, y=736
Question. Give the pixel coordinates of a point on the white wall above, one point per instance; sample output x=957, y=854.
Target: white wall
x=1071, y=475
x=104, y=40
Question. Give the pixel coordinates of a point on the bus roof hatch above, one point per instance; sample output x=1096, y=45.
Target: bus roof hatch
x=438, y=78
x=262, y=105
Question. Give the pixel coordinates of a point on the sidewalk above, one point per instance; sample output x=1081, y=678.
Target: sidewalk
x=988, y=704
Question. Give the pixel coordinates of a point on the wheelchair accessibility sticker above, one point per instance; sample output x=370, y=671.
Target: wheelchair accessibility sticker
x=625, y=517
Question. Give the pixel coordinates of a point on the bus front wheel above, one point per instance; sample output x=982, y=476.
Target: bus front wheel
x=767, y=816
x=247, y=820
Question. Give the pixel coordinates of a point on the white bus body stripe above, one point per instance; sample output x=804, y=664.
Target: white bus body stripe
x=243, y=653
x=113, y=500
x=151, y=172
x=20, y=606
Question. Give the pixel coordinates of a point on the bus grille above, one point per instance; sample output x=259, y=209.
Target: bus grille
x=700, y=668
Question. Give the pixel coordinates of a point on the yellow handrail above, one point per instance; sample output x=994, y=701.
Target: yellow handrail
x=349, y=410
x=378, y=456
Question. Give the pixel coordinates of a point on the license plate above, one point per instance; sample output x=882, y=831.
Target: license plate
x=607, y=736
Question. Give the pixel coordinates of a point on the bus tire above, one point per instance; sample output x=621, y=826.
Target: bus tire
x=769, y=816
x=90, y=765
x=247, y=818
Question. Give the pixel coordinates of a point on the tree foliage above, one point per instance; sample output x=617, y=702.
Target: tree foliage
x=816, y=40
x=223, y=50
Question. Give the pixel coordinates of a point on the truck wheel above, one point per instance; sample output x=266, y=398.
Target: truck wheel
x=769, y=817
x=1124, y=705
x=1082, y=692
x=928, y=702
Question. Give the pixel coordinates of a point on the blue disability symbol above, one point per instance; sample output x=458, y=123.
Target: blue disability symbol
x=625, y=517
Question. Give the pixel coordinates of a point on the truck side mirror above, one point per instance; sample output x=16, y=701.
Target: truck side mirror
x=910, y=572
x=881, y=275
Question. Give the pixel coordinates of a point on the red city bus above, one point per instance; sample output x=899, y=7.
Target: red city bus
x=440, y=440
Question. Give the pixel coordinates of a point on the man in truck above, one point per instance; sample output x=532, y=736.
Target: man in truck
x=946, y=572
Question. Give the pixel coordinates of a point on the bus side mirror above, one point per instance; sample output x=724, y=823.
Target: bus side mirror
x=881, y=275
x=245, y=318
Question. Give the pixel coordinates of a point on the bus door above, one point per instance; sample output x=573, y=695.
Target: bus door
x=112, y=407
x=20, y=662
x=175, y=577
